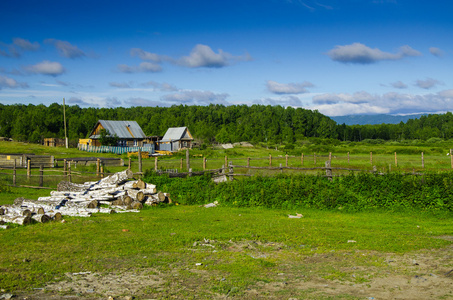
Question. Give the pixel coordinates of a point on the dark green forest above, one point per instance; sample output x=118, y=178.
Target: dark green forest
x=213, y=123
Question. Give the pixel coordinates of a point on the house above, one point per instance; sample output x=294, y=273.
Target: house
x=54, y=142
x=176, y=138
x=129, y=133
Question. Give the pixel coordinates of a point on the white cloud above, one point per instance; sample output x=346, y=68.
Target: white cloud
x=399, y=85
x=65, y=49
x=120, y=85
x=17, y=47
x=395, y=103
x=145, y=102
x=204, y=56
x=289, y=88
x=284, y=101
x=190, y=97
x=46, y=68
x=360, y=54
x=436, y=52
x=6, y=82
x=164, y=87
x=428, y=83
x=143, y=55
x=26, y=44
x=144, y=67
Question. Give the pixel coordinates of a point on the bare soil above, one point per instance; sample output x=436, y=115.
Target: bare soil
x=424, y=274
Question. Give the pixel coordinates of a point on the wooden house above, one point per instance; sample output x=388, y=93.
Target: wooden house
x=129, y=133
x=54, y=142
x=176, y=138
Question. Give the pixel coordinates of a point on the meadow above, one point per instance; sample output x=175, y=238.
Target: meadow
x=361, y=235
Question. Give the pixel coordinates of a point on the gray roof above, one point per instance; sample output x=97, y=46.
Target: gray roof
x=123, y=129
x=176, y=134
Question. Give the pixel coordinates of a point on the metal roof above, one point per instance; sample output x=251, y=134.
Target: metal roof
x=176, y=134
x=123, y=129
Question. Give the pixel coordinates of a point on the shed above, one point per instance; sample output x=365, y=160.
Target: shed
x=130, y=134
x=176, y=138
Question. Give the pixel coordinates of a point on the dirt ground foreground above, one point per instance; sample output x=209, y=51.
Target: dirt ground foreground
x=425, y=274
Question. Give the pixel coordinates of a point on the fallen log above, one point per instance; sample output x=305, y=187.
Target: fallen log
x=41, y=218
x=21, y=220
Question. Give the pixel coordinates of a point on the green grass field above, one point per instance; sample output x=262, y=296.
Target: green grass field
x=244, y=247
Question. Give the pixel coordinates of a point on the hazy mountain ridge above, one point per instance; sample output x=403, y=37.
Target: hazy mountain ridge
x=373, y=119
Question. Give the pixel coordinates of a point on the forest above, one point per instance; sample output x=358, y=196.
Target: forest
x=213, y=123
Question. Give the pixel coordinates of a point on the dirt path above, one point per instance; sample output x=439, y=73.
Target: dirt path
x=426, y=274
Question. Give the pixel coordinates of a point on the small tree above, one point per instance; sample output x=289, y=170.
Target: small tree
x=106, y=139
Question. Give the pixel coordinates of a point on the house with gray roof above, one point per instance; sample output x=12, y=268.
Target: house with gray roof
x=176, y=138
x=129, y=133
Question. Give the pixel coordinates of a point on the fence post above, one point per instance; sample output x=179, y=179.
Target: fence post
x=248, y=162
x=41, y=179
x=180, y=167
x=98, y=166
x=451, y=158
x=270, y=160
x=14, y=174
x=314, y=158
x=226, y=161
x=231, y=171
x=371, y=158
x=69, y=171
x=348, y=158
x=102, y=171
x=204, y=163
x=330, y=156
x=155, y=164
x=190, y=172
x=286, y=159
x=29, y=168
x=281, y=169
x=396, y=160
x=187, y=159
x=140, y=160
x=423, y=161
x=328, y=170
x=130, y=164
x=302, y=159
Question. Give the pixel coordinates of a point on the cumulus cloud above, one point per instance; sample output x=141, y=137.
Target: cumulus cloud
x=358, y=53
x=395, y=103
x=16, y=48
x=46, y=68
x=163, y=87
x=399, y=85
x=144, y=67
x=282, y=101
x=190, y=97
x=79, y=101
x=144, y=55
x=65, y=49
x=427, y=84
x=289, y=88
x=436, y=52
x=6, y=82
x=204, y=56
x=123, y=85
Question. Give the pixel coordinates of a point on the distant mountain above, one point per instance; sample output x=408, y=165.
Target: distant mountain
x=373, y=119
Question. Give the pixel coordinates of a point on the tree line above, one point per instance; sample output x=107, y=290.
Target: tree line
x=213, y=123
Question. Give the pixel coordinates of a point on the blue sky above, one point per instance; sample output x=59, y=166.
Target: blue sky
x=337, y=56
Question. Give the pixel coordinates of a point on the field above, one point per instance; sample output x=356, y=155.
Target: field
x=192, y=252
x=238, y=250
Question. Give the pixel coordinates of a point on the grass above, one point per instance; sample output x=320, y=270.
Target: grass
x=245, y=246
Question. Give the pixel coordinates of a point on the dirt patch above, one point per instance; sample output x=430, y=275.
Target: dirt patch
x=425, y=274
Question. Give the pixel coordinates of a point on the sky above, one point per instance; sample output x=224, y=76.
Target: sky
x=340, y=57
